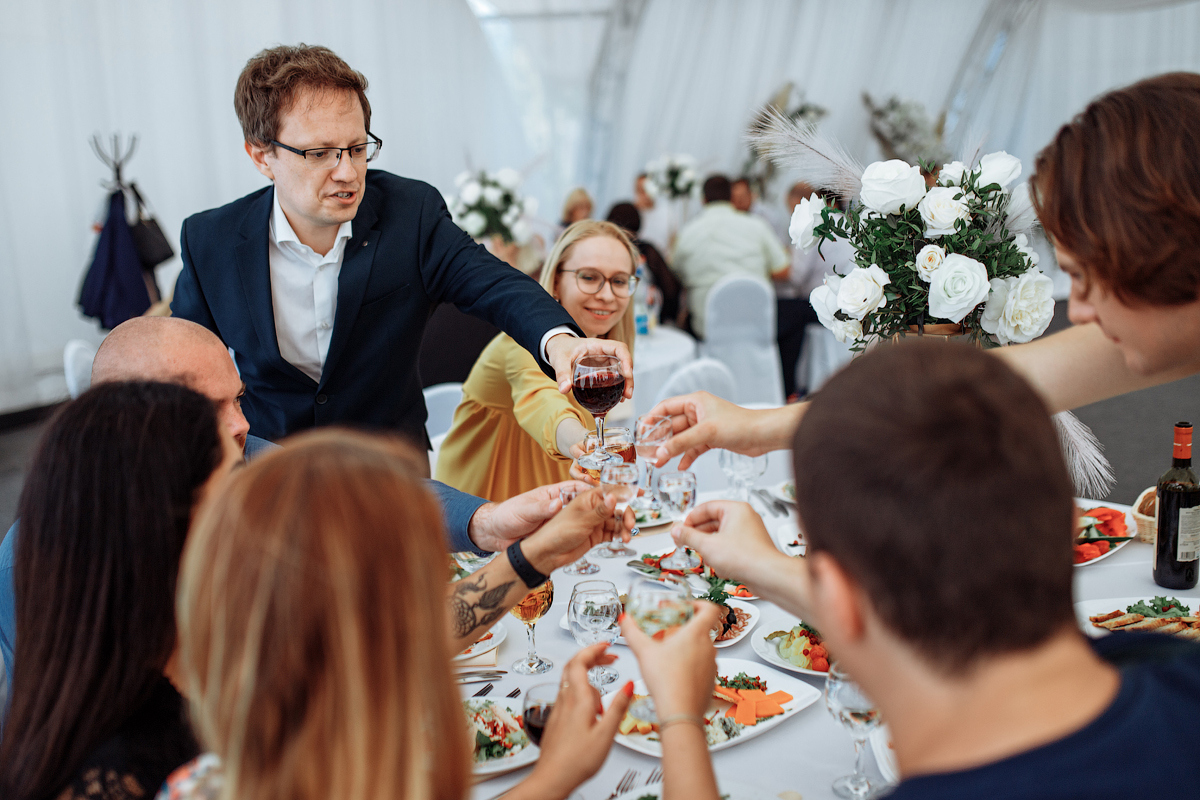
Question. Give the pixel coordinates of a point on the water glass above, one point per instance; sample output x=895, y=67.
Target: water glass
x=677, y=490
x=650, y=432
x=855, y=711
x=592, y=618
x=582, y=566
x=619, y=480
x=742, y=471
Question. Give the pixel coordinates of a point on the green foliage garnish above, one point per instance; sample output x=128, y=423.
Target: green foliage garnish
x=742, y=681
x=1159, y=607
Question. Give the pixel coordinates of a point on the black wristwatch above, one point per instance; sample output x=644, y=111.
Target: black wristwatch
x=525, y=571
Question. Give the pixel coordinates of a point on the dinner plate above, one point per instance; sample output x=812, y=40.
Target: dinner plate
x=754, y=613
x=697, y=584
x=885, y=756
x=769, y=653
x=1130, y=525
x=644, y=524
x=502, y=766
x=784, y=490
x=728, y=790
x=478, y=648
x=1094, y=608
x=802, y=694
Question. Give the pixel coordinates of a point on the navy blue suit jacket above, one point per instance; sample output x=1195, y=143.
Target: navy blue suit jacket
x=404, y=257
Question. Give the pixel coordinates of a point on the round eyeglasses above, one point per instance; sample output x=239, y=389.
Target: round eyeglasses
x=330, y=157
x=591, y=281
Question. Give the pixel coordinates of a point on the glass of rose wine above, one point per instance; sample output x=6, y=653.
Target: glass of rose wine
x=539, y=702
x=582, y=566
x=619, y=480
x=532, y=608
x=598, y=385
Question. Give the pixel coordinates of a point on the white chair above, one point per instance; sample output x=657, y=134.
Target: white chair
x=77, y=365
x=821, y=356
x=739, y=331
x=441, y=400
x=703, y=374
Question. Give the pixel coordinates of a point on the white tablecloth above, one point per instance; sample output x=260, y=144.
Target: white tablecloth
x=655, y=357
x=808, y=751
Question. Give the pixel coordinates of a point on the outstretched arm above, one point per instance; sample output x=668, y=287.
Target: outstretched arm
x=702, y=422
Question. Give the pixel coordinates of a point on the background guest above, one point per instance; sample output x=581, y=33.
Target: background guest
x=656, y=225
x=513, y=430
x=745, y=199
x=104, y=513
x=628, y=217
x=578, y=206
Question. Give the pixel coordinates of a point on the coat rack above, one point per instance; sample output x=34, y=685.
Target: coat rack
x=116, y=157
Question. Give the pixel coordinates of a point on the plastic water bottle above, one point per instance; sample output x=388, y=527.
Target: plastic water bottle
x=641, y=309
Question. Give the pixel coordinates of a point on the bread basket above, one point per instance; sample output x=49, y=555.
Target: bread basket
x=1147, y=526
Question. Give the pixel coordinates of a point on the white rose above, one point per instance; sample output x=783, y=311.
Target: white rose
x=462, y=178
x=960, y=284
x=928, y=261
x=511, y=215
x=474, y=223
x=999, y=168
x=888, y=185
x=861, y=292
x=824, y=302
x=529, y=205
x=492, y=195
x=805, y=217
x=509, y=178
x=521, y=232
x=940, y=210
x=1019, y=214
x=470, y=193
x=951, y=174
x=1022, y=243
x=1019, y=309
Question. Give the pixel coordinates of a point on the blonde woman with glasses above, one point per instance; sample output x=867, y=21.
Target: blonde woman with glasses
x=514, y=430
x=313, y=640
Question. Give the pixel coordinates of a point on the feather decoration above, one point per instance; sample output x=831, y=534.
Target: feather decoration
x=1090, y=471
x=818, y=160
x=973, y=148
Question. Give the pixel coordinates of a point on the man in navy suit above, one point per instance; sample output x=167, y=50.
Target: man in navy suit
x=322, y=283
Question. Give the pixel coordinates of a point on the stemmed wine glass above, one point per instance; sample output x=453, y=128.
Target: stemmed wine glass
x=650, y=432
x=849, y=706
x=677, y=491
x=656, y=607
x=582, y=566
x=598, y=385
x=592, y=618
x=539, y=702
x=620, y=480
x=742, y=471
x=532, y=608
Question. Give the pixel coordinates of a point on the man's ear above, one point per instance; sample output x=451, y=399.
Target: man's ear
x=259, y=156
x=837, y=601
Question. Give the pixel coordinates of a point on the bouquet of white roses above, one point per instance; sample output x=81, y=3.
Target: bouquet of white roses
x=671, y=177
x=488, y=204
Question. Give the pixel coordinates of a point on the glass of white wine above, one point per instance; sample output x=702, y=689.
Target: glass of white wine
x=592, y=618
x=619, y=480
x=656, y=607
x=849, y=706
x=532, y=608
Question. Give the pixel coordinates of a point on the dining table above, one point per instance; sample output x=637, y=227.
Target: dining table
x=804, y=754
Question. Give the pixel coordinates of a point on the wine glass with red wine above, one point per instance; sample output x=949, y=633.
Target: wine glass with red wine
x=539, y=702
x=598, y=386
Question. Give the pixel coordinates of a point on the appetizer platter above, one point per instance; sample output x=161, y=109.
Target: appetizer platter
x=701, y=580
x=748, y=700
x=1102, y=531
x=489, y=642
x=789, y=644
x=728, y=790
x=1179, y=616
x=498, y=735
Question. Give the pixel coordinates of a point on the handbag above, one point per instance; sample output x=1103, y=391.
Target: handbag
x=152, y=245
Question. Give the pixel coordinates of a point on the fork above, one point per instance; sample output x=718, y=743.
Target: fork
x=625, y=785
x=514, y=693
x=484, y=691
x=655, y=776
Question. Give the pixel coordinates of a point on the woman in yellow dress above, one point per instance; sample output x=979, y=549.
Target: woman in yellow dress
x=513, y=430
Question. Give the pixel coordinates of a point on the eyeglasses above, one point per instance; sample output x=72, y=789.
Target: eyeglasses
x=592, y=281
x=330, y=157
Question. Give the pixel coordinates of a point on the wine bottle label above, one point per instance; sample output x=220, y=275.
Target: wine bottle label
x=1189, y=534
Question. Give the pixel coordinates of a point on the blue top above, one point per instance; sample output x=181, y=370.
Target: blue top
x=1141, y=746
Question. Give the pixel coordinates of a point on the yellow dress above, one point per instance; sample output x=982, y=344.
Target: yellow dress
x=502, y=440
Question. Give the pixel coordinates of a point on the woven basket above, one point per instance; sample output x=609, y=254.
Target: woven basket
x=1147, y=527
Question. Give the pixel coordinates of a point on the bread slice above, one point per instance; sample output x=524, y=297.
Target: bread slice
x=1189, y=633
x=1174, y=627
x=1121, y=621
x=1150, y=624
x=1106, y=617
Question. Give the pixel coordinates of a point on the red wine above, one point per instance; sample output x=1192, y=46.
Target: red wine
x=535, y=722
x=599, y=391
x=1178, y=519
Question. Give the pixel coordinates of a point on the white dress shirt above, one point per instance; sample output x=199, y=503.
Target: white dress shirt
x=304, y=290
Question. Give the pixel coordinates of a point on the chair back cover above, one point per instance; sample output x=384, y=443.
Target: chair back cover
x=441, y=400
x=821, y=356
x=740, y=333
x=77, y=364
x=703, y=374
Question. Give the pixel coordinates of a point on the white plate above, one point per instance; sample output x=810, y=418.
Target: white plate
x=784, y=490
x=885, y=756
x=754, y=613
x=802, y=694
x=699, y=585
x=728, y=790
x=1094, y=608
x=499, y=634
x=500, y=766
x=1130, y=526
x=769, y=653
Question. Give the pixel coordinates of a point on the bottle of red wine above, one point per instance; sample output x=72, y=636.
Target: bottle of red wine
x=1178, y=542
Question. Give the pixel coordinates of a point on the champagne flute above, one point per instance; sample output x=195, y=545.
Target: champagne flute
x=742, y=471
x=539, y=702
x=650, y=432
x=598, y=385
x=849, y=706
x=678, y=493
x=582, y=566
x=619, y=480
x=532, y=608
x=592, y=618
x=656, y=607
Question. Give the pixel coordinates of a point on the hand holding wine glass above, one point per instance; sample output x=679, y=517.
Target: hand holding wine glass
x=855, y=711
x=598, y=385
x=582, y=566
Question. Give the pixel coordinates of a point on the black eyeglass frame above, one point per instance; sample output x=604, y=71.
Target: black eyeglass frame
x=633, y=282
x=340, y=150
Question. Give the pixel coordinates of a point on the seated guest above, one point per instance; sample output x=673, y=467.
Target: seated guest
x=628, y=217
x=943, y=586
x=745, y=199
x=312, y=640
x=104, y=513
x=577, y=207
x=656, y=223
x=514, y=430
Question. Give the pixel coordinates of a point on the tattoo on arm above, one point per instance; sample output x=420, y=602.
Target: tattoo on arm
x=473, y=605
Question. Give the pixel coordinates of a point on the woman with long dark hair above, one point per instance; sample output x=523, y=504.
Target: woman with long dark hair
x=104, y=514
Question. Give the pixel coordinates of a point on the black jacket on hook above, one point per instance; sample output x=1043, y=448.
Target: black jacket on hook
x=114, y=289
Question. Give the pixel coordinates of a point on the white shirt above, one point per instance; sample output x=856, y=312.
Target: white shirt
x=304, y=290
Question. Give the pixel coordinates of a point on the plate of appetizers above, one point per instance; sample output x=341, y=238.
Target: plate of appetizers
x=499, y=738
x=702, y=581
x=1179, y=616
x=1101, y=531
x=788, y=643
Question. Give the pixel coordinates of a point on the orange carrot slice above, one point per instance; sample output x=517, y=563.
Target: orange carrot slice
x=780, y=697
x=752, y=694
x=744, y=715
x=728, y=694
x=767, y=708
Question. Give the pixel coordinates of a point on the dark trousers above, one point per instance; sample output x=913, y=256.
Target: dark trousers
x=792, y=316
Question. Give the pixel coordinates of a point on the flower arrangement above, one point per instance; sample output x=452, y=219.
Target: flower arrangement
x=671, y=177
x=904, y=130
x=488, y=204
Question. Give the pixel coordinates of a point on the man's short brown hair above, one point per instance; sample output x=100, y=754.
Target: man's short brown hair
x=272, y=80
x=1119, y=188
x=932, y=474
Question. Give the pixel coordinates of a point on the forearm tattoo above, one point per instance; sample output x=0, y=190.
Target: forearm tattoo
x=473, y=605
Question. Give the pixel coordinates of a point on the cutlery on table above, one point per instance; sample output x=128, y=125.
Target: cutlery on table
x=773, y=504
x=482, y=678
x=514, y=693
x=627, y=783
x=484, y=692
x=655, y=776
